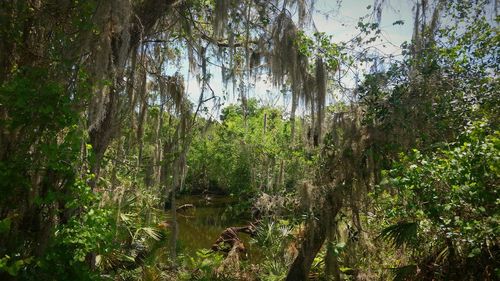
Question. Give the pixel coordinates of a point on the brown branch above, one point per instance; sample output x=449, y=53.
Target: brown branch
x=224, y=43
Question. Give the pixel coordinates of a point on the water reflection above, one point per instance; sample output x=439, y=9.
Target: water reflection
x=200, y=226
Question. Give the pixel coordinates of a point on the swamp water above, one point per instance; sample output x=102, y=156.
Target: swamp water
x=200, y=226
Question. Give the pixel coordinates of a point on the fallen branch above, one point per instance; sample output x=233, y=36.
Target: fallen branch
x=228, y=239
x=184, y=207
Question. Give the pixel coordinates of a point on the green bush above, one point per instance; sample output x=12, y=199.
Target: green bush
x=444, y=204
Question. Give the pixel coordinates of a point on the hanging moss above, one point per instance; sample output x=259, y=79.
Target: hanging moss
x=320, y=97
x=111, y=54
x=175, y=89
x=221, y=16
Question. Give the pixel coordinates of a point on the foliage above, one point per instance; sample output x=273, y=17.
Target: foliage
x=322, y=46
x=88, y=231
x=457, y=65
x=449, y=196
x=100, y=72
x=201, y=267
x=437, y=203
x=47, y=142
x=400, y=234
x=245, y=152
x=276, y=241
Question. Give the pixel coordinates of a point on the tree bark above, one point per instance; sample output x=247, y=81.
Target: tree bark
x=173, y=209
x=142, y=115
x=314, y=237
x=310, y=247
x=292, y=115
x=332, y=269
x=146, y=16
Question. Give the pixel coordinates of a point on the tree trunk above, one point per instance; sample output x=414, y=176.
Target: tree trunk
x=159, y=146
x=121, y=43
x=142, y=115
x=332, y=269
x=281, y=175
x=101, y=135
x=292, y=116
x=310, y=247
x=314, y=237
x=132, y=99
x=173, y=210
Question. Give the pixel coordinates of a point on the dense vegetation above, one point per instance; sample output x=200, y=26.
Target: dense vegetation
x=395, y=178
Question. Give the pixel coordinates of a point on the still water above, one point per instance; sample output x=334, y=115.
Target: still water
x=200, y=226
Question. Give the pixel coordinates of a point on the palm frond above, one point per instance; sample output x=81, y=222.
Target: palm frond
x=404, y=273
x=400, y=234
x=153, y=233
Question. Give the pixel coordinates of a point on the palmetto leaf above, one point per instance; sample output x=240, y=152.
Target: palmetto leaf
x=400, y=234
x=152, y=232
x=404, y=273
x=149, y=231
x=125, y=217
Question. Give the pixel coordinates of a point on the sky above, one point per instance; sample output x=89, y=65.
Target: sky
x=341, y=23
x=333, y=19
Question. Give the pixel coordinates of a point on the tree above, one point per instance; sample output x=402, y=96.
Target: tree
x=447, y=199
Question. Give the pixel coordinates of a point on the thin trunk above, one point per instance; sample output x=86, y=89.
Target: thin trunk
x=158, y=150
x=177, y=179
x=132, y=99
x=321, y=99
x=265, y=125
x=280, y=180
x=312, y=128
x=270, y=173
x=159, y=146
x=142, y=115
x=416, y=32
x=116, y=162
x=121, y=192
x=165, y=168
x=266, y=157
x=292, y=115
x=173, y=210
x=332, y=268
x=114, y=183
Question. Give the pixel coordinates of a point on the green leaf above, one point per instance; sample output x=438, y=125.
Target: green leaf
x=5, y=225
x=400, y=234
